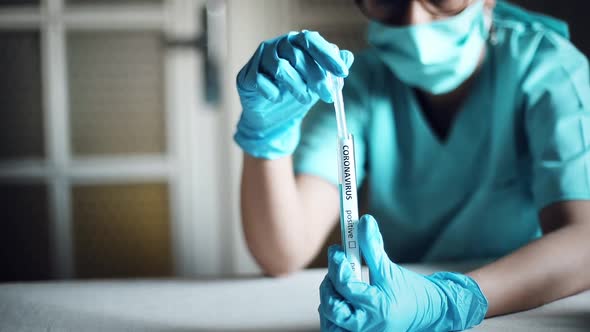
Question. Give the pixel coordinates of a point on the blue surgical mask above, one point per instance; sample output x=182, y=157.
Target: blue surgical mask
x=435, y=57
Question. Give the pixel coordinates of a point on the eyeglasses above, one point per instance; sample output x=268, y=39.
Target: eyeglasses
x=393, y=11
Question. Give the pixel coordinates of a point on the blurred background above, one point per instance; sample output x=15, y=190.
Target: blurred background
x=116, y=118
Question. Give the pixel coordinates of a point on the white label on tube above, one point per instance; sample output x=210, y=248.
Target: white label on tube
x=349, y=215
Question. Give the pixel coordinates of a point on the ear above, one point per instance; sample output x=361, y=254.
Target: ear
x=490, y=4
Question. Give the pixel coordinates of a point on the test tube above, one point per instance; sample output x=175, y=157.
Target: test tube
x=349, y=215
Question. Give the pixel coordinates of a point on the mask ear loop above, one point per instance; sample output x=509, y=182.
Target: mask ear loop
x=489, y=25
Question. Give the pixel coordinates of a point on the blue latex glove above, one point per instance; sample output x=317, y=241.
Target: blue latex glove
x=277, y=87
x=397, y=299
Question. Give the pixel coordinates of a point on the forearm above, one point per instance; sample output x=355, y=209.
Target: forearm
x=285, y=219
x=553, y=267
x=270, y=213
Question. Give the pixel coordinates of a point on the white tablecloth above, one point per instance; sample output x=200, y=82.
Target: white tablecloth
x=244, y=304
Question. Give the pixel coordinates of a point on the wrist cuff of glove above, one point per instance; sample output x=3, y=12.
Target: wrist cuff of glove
x=466, y=304
x=269, y=144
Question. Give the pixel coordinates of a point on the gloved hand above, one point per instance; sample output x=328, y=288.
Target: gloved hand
x=397, y=299
x=277, y=87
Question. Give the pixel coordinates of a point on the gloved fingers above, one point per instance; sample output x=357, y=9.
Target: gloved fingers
x=327, y=326
x=333, y=304
x=288, y=78
x=281, y=73
x=323, y=52
x=371, y=243
x=267, y=88
x=347, y=57
x=355, y=292
x=326, y=291
x=335, y=309
x=247, y=77
x=252, y=78
x=306, y=66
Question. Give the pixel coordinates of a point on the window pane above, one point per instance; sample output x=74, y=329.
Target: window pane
x=21, y=117
x=24, y=239
x=116, y=92
x=122, y=230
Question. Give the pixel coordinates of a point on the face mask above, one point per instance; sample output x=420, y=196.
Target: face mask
x=436, y=57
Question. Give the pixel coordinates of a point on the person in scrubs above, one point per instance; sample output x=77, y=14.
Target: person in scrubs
x=472, y=129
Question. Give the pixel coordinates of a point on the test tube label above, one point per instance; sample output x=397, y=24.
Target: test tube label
x=349, y=204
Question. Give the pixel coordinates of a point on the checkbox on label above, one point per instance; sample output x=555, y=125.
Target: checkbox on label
x=352, y=244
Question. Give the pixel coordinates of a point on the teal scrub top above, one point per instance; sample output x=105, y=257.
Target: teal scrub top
x=521, y=141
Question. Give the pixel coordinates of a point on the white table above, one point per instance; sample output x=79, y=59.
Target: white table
x=245, y=304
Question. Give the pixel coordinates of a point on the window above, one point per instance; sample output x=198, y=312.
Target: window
x=97, y=128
